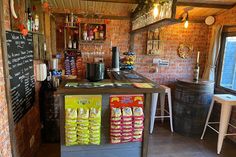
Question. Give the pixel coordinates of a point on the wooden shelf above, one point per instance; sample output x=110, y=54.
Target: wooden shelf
x=158, y=24
x=33, y=32
x=72, y=27
x=70, y=49
x=91, y=41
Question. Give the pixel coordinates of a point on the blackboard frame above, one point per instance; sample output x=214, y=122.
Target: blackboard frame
x=20, y=56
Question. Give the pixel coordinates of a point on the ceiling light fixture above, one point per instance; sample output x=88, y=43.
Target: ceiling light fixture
x=155, y=10
x=186, y=21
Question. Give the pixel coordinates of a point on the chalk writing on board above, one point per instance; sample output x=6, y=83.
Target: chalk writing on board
x=21, y=73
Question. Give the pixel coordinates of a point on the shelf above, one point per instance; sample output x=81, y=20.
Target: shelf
x=74, y=27
x=33, y=32
x=70, y=49
x=158, y=24
x=91, y=41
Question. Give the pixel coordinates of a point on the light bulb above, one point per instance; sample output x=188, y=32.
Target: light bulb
x=155, y=11
x=186, y=24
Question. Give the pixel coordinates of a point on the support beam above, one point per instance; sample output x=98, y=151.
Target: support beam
x=47, y=33
x=116, y=1
x=205, y=5
x=93, y=16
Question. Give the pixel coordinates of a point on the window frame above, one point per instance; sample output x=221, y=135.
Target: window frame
x=219, y=64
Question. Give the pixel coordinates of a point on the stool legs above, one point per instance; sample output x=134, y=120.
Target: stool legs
x=170, y=110
x=153, y=110
x=162, y=105
x=208, y=117
x=224, y=120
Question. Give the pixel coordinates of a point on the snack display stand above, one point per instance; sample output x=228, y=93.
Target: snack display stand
x=133, y=117
x=126, y=118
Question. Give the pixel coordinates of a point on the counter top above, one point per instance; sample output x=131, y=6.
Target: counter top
x=123, y=82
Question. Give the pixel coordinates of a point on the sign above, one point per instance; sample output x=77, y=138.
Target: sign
x=21, y=73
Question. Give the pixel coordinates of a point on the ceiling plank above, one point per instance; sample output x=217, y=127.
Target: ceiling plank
x=116, y=1
x=205, y=5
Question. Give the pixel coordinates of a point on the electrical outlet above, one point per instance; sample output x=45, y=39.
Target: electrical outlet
x=32, y=139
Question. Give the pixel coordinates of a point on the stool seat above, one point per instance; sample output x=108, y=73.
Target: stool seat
x=162, y=106
x=227, y=101
x=167, y=89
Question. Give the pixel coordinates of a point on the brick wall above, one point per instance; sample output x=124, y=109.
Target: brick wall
x=117, y=32
x=5, y=146
x=29, y=125
x=195, y=35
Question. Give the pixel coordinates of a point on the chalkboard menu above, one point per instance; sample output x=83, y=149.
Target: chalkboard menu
x=21, y=71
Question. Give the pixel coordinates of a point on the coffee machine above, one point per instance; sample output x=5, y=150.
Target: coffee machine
x=115, y=59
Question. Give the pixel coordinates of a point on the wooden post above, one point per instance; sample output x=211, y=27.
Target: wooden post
x=53, y=35
x=7, y=81
x=146, y=124
x=47, y=32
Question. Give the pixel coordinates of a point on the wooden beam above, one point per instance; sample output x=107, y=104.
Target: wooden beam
x=47, y=33
x=205, y=5
x=158, y=24
x=93, y=16
x=116, y=1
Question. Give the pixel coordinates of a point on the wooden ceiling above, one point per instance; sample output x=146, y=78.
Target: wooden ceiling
x=112, y=8
x=228, y=2
x=198, y=9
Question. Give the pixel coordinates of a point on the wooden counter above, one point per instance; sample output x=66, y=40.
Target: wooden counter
x=105, y=149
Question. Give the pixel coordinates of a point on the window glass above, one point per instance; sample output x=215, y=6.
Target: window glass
x=228, y=72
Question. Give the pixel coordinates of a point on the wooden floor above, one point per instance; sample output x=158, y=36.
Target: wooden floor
x=163, y=143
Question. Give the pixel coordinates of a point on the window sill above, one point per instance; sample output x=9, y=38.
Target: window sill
x=220, y=90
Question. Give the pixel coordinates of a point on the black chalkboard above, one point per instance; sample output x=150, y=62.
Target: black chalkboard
x=21, y=71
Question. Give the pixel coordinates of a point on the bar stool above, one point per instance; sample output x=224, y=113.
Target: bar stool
x=163, y=110
x=226, y=101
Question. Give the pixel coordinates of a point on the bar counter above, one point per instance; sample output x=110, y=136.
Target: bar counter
x=121, y=84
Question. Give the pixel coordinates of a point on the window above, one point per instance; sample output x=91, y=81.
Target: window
x=227, y=60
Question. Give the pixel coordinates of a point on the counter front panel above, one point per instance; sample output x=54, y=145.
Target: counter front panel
x=105, y=149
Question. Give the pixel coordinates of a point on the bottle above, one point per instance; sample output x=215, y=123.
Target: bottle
x=101, y=32
x=29, y=24
x=36, y=23
x=90, y=33
x=96, y=33
x=196, y=73
x=72, y=20
x=75, y=42
x=85, y=32
x=67, y=20
x=69, y=43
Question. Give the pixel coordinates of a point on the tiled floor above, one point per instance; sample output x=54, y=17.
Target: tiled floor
x=165, y=144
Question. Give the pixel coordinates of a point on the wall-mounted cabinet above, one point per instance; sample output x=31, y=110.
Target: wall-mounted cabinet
x=83, y=33
x=92, y=32
x=71, y=37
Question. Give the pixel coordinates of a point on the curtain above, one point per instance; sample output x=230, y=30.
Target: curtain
x=215, y=43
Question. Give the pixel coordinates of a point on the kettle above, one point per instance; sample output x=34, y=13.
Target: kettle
x=95, y=71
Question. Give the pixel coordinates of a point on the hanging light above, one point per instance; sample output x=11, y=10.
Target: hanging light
x=155, y=10
x=186, y=21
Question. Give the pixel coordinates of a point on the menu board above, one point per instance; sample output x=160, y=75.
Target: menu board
x=21, y=73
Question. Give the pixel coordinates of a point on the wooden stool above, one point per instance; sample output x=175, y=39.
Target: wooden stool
x=226, y=101
x=154, y=108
